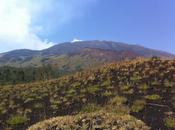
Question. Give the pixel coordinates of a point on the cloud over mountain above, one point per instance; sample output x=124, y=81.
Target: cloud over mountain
x=22, y=22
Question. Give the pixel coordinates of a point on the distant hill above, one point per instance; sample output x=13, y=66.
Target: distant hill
x=59, y=53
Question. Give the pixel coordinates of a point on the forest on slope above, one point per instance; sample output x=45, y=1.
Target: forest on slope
x=143, y=88
x=13, y=75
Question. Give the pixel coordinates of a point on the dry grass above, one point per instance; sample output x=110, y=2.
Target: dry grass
x=91, y=121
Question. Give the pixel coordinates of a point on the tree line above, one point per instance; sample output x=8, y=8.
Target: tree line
x=13, y=75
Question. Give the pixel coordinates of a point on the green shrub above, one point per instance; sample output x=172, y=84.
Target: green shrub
x=3, y=110
x=90, y=108
x=107, y=94
x=130, y=91
x=170, y=122
x=138, y=105
x=93, y=89
x=76, y=84
x=17, y=120
x=168, y=84
x=38, y=106
x=106, y=83
x=119, y=110
x=144, y=87
x=153, y=97
x=125, y=87
x=71, y=91
x=154, y=83
x=118, y=100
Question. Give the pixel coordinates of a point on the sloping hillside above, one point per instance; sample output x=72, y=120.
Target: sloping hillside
x=19, y=58
x=144, y=88
x=56, y=66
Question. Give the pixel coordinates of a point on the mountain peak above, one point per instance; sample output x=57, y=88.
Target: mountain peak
x=76, y=40
x=109, y=48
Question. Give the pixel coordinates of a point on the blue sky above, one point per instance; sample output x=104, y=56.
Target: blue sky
x=38, y=24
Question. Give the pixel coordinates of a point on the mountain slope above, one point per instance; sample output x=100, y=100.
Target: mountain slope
x=141, y=88
x=106, y=45
x=42, y=68
x=25, y=57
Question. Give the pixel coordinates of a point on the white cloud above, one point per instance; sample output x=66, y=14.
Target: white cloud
x=76, y=40
x=22, y=20
x=15, y=27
